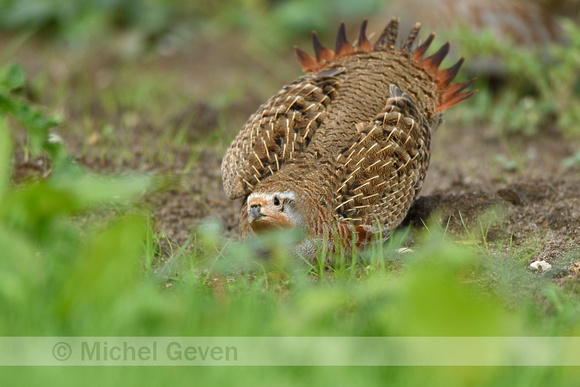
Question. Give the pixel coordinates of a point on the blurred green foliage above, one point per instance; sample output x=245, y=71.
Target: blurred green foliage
x=85, y=16
x=539, y=86
x=78, y=19
x=37, y=125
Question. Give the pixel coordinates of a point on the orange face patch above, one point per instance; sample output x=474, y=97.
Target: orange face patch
x=271, y=216
x=270, y=222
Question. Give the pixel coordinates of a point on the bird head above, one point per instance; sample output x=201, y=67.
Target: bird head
x=273, y=210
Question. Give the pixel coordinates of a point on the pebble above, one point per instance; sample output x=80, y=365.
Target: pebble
x=540, y=265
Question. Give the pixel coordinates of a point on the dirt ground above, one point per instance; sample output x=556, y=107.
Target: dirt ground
x=537, y=206
x=473, y=170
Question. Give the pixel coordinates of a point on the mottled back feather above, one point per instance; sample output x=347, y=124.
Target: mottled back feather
x=278, y=132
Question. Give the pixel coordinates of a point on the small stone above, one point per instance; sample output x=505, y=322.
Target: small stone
x=540, y=265
x=511, y=196
x=54, y=138
x=94, y=138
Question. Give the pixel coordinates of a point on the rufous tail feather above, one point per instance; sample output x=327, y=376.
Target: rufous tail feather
x=449, y=93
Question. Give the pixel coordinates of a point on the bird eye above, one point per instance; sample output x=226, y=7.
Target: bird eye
x=276, y=201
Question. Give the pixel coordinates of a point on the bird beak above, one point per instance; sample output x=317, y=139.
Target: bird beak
x=255, y=212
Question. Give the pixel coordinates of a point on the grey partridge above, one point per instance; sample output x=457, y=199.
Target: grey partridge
x=342, y=152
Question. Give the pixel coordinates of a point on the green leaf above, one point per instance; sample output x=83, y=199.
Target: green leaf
x=35, y=122
x=5, y=153
x=20, y=270
x=90, y=189
x=11, y=77
x=33, y=119
x=106, y=268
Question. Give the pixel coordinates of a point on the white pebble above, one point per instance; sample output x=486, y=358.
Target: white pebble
x=540, y=265
x=54, y=138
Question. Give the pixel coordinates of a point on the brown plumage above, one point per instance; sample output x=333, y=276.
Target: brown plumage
x=342, y=152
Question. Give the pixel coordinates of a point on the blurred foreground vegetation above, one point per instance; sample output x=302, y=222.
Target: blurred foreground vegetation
x=81, y=257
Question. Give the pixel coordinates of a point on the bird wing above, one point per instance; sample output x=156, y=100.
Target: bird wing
x=278, y=132
x=382, y=172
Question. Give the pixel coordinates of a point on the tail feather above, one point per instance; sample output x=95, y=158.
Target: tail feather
x=459, y=97
x=431, y=64
x=449, y=93
x=322, y=53
x=412, y=36
x=454, y=94
x=306, y=61
x=343, y=47
x=455, y=88
x=422, y=49
x=363, y=42
x=388, y=38
x=445, y=76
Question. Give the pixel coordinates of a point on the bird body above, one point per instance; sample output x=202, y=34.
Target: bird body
x=342, y=152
